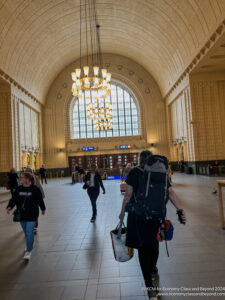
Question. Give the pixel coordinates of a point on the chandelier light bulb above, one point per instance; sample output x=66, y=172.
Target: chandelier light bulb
x=104, y=73
x=104, y=84
x=108, y=77
x=78, y=71
x=78, y=83
x=96, y=69
x=74, y=78
x=86, y=70
x=80, y=94
x=86, y=83
x=96, y=82
x=88, y=95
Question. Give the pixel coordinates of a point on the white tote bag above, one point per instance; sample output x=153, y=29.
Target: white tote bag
x=121, y=252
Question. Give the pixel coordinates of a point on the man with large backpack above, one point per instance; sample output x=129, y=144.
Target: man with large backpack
x=148, y=191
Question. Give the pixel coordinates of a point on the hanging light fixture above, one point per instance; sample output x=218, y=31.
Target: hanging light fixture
x=93, y=82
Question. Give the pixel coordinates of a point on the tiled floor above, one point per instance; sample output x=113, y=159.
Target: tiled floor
x=73, y=258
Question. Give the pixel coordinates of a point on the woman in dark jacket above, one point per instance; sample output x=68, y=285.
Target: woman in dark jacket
x=93, y=181
x=27, y=199
x=12, y=180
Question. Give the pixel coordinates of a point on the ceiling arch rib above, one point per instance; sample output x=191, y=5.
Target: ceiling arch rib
x=163, y=36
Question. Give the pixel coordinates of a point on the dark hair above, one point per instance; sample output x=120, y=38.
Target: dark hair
x=93, y=165
x=28, y=176
x=143, y=157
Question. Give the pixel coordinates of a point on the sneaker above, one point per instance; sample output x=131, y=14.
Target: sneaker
x=152, y=295
x=93, y=219
x=27, y=255
x=155, y=278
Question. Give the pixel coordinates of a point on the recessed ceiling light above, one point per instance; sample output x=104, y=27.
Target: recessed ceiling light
x=219, y=56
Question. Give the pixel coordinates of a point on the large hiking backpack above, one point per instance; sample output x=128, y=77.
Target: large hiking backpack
x=150, y=199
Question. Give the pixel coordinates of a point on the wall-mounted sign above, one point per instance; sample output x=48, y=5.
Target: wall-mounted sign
x=124, y=146
x=88, y=148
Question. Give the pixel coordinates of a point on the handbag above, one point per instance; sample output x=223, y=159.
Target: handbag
x=122, y=253
x=17, y=212
x=165, y=233
x=17, y=215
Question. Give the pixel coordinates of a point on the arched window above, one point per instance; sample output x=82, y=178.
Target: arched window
x=124, y=111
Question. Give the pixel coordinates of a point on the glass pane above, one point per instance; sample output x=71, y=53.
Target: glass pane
x=83, y=134
x=128, y=119
x=102, y=133
x=127, y=105
x=123, y=107
x=109, y=133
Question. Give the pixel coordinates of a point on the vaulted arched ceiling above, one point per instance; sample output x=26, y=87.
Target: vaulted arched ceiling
x=39, y=38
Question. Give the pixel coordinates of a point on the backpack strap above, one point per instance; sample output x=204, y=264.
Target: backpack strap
x=139, y=168
x=147, y=185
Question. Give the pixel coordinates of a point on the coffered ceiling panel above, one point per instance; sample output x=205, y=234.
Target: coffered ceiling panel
x=38, y=38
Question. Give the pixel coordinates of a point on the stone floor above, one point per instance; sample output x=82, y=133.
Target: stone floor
x=73, y=258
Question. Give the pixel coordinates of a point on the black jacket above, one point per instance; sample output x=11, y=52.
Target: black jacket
x=97, y=180
x=28, y=200
x=13, y=180
x=42, y=171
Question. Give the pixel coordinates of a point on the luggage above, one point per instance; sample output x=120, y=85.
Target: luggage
x=152, y=195
x=123, y=187
x=122, y=253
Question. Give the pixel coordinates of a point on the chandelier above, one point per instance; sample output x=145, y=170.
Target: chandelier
x=92, y=81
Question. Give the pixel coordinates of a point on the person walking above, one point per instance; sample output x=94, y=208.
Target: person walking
x=142, y=232
x=42, y=172
x=37, y=184
x=12, y=180
x=27, y=198
x=93, y=181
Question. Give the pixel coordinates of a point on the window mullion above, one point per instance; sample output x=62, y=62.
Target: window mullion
x=85, y=113
x=112, y=112
x=78, y=106
x=124, y=114
x=131, y=117
x=118, y=109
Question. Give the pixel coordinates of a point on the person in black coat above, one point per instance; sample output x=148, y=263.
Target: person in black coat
x=12, y=180
x=42, y=172
x=27, y=198
x=93, y=181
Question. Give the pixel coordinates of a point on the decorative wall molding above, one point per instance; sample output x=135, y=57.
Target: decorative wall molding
x=11, y=81
x=199, y=56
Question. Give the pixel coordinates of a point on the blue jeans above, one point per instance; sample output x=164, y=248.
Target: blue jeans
x=93, y=195
x=28, y=228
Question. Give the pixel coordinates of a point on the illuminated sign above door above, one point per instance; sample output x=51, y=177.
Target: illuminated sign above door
x=88, y=148
x=124, y=146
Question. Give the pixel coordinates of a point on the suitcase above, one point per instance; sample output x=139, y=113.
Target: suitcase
x=123, y=187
